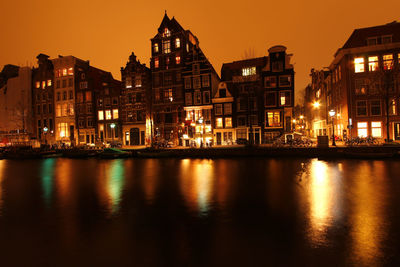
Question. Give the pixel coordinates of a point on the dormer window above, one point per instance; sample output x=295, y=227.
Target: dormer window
x=249, y=71
x=386, y=39
x=166, y=33
x=372, y=41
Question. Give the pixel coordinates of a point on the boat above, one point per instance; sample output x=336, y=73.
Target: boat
x=114, y=153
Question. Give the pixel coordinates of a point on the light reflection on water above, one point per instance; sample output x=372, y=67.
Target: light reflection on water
x=340, y=210
x=196, y=183
x=324, y=194
x=111, y=183
x=47, y=174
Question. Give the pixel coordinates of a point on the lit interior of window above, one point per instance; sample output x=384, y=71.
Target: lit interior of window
x=219, y=122
x=373, y=63
x=362, y=129
x=359, y=64
x=376, y=129
x=248, y=71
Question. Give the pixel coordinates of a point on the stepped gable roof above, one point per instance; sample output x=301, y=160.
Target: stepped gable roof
x=359, y=36
x=171, y=24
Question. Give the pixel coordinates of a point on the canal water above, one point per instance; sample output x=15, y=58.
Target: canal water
x=199, y=212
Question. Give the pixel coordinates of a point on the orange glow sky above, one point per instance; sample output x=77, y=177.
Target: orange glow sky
x=106, y=32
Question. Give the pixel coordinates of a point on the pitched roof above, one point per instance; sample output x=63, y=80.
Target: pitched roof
x=359, y=36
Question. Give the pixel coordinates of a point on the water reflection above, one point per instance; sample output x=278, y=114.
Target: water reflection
x=111, y=183
x=2, y=170
x=196, y=183
x=325, y=200
x=150, y=181
x=368, y=214
x=47, y=175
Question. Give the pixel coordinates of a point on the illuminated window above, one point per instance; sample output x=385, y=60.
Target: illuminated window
x=178, y=59
x=249, y=71
x=284, y=81
x=166, y=46
x=273, y=119
x=270, y=82
x=156, y=62
x=361, y=108
x=359, y=64
x=228, y=122
x=48, y=82
x=170, y=97
x=362, y=129
x=128, y=82
x=218, y=123
x=70, y=71
x=71, y=110
x=101, y=115
x=115, y=114
x=58, y=110
x=155, y=48
x=108, y=114
x=392, y=107
x=387, y=62
x=285, y=98
x=37, y=84
x=88, y=96
x=375, y=107
x=166, y=33
x=64, y=110
x=64, y=72
x=376, y=129
x=373, y=63
x=63, y=129
x=138, y=81
x=43, y=84
x=177, y=43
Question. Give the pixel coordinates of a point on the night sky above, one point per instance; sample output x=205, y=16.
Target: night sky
x=106, y=32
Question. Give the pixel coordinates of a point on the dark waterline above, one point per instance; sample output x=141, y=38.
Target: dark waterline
x=195, y=212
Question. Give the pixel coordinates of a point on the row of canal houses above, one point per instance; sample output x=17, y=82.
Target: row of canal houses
x=180, y=99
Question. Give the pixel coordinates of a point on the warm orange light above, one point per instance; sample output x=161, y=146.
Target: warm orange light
x=316, y=104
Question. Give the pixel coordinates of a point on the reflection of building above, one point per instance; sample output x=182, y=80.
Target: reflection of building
x=224, y=115
x=16, y=115
x=43, y=101
x=200, y=83
x=364, y=78
x=136, y=103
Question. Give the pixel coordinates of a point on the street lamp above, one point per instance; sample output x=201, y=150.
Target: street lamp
x=112, y=125
x=316, y=104
x=45, y=129
x=332, y=114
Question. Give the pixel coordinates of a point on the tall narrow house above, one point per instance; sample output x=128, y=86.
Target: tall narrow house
x=43, y=100
x=170, y=49
x=136, y=103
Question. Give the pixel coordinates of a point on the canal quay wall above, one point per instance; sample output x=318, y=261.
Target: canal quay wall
x=361, y=152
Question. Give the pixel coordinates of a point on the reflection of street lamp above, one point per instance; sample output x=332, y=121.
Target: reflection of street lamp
x=332, y=114
x=45, y=129
x=201, y=122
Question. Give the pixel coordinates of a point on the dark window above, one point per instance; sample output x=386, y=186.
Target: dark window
x=222, y=93
x=361, y=108
x=270, y=99
x=375, y=107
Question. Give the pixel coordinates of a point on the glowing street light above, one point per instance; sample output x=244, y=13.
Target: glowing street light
x=301, y=117
x=316, y=104
x=332, y=114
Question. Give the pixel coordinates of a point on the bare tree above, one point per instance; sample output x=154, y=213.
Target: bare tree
x=382, y=82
